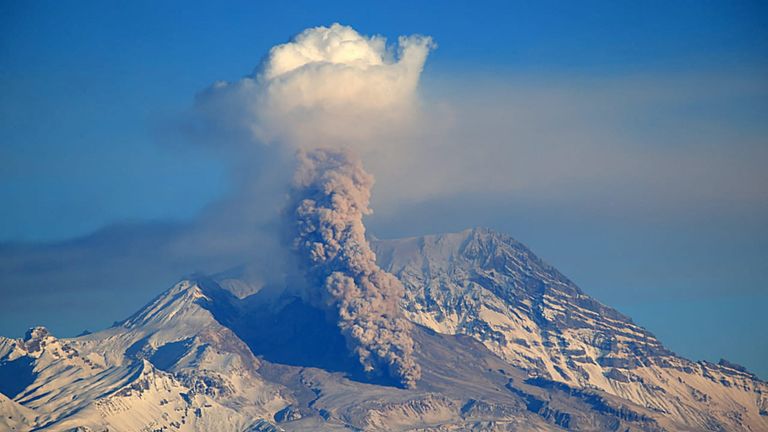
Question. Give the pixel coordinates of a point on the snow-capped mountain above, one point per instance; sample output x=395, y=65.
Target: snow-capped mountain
x=492, y=288
x=504, y=342
x=170, y=365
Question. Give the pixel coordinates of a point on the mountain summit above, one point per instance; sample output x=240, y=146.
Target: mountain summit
x=504, y=342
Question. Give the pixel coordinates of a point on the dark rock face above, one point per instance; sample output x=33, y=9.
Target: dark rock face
x=288, y=413
x=34, y=338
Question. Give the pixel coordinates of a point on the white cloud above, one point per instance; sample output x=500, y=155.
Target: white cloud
x=653, y=142
x=329, y=86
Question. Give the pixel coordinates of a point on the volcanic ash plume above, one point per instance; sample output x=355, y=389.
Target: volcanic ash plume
x=332, y=192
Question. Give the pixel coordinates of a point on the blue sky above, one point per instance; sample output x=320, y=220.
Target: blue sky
x=91, y=94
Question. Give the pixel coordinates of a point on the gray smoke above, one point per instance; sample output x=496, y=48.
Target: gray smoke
x=331, y=195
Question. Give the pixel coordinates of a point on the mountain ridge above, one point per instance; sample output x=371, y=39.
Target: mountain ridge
x=506, y=342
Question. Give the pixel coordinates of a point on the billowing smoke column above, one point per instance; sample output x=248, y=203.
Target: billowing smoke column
x=331, y=86
x=331, y=195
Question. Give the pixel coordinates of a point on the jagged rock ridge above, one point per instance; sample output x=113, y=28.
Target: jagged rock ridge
x=505, y=342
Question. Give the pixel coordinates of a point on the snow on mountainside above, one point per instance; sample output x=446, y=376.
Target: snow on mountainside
x=113, y=379
x=13, y=416
x=488, y=286
x=505, y=342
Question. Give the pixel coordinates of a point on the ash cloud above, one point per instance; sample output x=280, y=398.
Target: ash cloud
x=329, y=88
x=318, y=101
x=331, y=195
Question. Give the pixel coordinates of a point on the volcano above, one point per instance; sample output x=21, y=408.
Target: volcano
x=504, y=342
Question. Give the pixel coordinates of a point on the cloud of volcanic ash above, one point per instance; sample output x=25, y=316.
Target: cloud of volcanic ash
x=324, y=99
x=332, y=192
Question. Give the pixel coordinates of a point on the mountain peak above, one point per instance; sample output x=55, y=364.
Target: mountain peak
x=180, y=303
x=481, y=282
x=36, y=333
x=36, y=339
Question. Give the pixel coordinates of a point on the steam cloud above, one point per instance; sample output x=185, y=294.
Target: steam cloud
x=328, y=87
x=327, y=95
x=333, y=192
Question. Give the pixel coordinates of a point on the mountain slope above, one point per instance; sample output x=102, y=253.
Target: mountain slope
x=14, y=416
x=504, y=341
x=172, y=362
x=488, y=286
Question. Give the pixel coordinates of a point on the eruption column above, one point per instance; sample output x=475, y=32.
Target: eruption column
x=331, y=196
